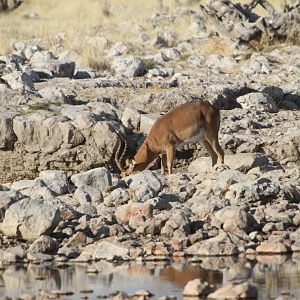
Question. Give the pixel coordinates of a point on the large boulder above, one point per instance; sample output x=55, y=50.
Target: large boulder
x=146, y=185
x=258, y=102
x=43, y=132
x=134, y=209
x=19, y=81
x=106, y=249
x=30, y=218
x=234, y=219
x=55, y=180
x=98, y=178
x=58, y=68
x=128, y=66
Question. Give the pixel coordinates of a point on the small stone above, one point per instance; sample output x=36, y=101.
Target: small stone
x=231, y=291
x=197, y=287
x=271, y=247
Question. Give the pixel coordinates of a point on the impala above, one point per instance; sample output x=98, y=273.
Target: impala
x=187, y=123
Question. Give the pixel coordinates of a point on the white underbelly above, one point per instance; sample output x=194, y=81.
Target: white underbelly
x=194, y=139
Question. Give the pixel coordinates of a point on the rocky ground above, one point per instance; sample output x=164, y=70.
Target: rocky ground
x=61, y=197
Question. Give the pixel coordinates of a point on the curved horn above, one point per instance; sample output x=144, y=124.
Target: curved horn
x=118, y=155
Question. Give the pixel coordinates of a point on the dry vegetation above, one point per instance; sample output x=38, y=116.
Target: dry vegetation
x=71, y=23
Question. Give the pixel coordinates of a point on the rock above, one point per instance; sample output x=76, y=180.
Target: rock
x=118, y=49
x=104, y=111
x=145, y=184
x=128, y=66
x=42, y=132
x=39, y=257
x=147, y=121
x=196, y=60
x=12, y=255
x=296, y=246
x=26, y=47
x=271, y=247
x=286, y=104
x=108, y=250
x=117, y=197
x=58, y=68
x=259, y=102
x=55, y=94
x=23, y=184
x=145, y=177
x=125, y=212
x=242, y=162
x=38, y=190
x=238, y=273
x=44, y=244
x=40, y=56
x=98, y=178
x=230, y=291
x=19, y=81
x=295, y=235
x=235, y=219
x=197, y=288
x=104, y=135
x=201, y=165
x=69, y=55
x=87, y=209
x=177, y=220
x=216, y=246
x=29, y=218
x=258, y=64
x=131, y=117
x=87, y=194
x=7, y=135
x=171, y=54
x=262, y=189
x=219, y=61
x=158, y=71
x=7, y=198
x=85, y=73
x=275, y=92
x=159, y=42
x=55, y=180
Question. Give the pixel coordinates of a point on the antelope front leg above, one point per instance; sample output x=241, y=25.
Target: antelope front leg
x=170, y=151
x=163, y=163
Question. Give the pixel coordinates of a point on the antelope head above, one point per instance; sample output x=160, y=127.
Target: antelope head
x=133, y=165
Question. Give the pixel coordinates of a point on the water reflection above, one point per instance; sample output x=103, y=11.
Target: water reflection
x=271, y=275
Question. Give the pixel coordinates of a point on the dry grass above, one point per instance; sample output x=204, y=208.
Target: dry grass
x=117, y=20
x=70, y=23
x=217, y=45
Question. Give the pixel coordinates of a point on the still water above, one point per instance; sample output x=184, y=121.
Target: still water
x=271, y=275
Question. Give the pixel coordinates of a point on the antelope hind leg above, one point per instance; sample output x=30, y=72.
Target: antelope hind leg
x=211, y=152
